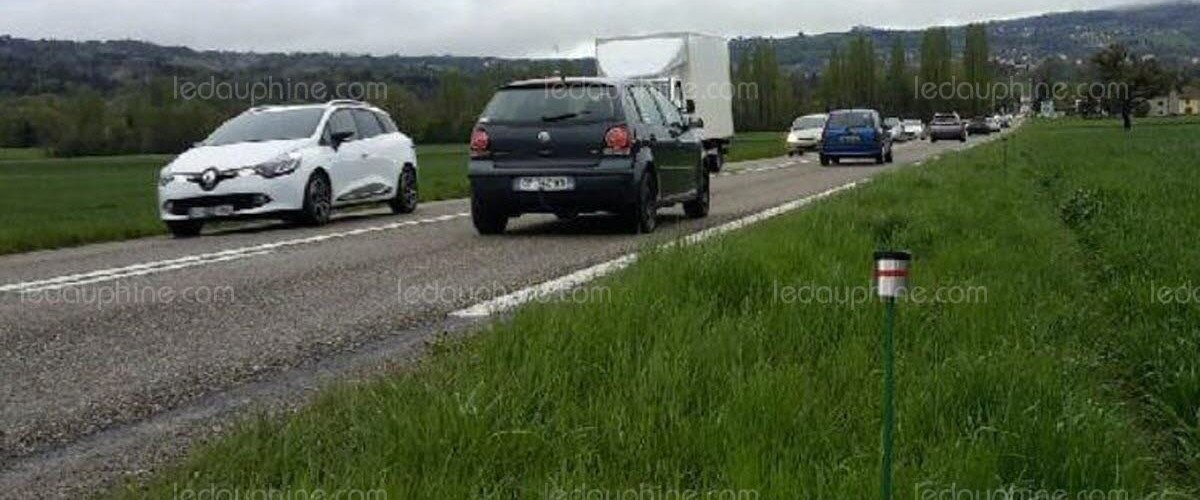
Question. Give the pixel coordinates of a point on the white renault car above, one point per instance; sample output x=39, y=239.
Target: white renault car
x=292, y=162
x=806, y=134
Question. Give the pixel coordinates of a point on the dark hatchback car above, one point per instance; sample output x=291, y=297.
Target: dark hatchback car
x=584, y=145
x=855, y=133
x=979, y=126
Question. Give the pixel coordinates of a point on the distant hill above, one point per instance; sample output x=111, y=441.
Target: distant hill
x=53, y=66
x=1170, y=31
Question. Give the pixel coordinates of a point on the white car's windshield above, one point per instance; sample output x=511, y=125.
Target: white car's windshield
x=264, y=126
x=808, y=122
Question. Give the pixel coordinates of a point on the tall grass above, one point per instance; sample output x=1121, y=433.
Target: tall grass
x=696, y=374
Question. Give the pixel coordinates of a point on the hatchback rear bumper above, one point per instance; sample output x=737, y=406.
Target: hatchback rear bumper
x=593, y=192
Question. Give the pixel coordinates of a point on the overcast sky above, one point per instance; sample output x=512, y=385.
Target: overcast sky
x=513, y=28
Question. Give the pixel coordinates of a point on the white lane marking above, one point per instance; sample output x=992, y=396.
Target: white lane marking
x=755, y=170
x=565, y=283
x=142, y=272
x=207, y=258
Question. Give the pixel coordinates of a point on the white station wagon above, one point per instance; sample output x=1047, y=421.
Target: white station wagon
x=292, y=162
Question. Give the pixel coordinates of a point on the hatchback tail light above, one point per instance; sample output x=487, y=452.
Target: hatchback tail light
x=618, y=141
x=480, y=142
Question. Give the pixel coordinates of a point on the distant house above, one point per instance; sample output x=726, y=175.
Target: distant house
x=1167, y=105
x=1176, y=103
x=1189, y=101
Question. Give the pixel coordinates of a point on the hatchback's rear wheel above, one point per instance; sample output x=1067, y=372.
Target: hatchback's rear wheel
x=185, y=228
x=698, y=208
x=643, y=217
x=318, y=201
x=407, y=195
x=824, y=161
x=487, y=220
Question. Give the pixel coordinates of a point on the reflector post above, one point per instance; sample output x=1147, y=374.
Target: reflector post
x=891, y=274
x=891, y=280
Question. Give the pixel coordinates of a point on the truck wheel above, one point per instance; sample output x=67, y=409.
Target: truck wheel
x=715, y=163
x=824, y=161
x=643, y=216
x=698, y=208
x=486, y=219
x=185, y=228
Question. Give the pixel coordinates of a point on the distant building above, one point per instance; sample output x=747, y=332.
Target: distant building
x=1047, y=110
x=1176, y=103
x=1189, y=101
x=1167, y=105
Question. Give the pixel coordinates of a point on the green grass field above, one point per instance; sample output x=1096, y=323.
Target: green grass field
x=755, y=145
x=52, y=203
x=695, y=373
x=22, y=154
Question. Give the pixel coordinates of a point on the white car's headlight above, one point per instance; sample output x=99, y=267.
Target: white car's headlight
x=278, y=167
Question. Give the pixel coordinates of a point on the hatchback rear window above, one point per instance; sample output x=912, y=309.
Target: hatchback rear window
x=851, y=119
x=569, y=103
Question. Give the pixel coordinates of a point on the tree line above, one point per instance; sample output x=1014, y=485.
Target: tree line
x=861, y=75
x=441, y=106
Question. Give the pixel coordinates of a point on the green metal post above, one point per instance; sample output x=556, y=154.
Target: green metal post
x=889, y=397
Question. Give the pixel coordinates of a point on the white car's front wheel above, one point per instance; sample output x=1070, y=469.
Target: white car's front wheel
x=318, y=201
x=407, y=195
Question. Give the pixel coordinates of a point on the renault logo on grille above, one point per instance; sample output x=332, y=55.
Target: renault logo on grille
x=208, y=179
x=544, y=137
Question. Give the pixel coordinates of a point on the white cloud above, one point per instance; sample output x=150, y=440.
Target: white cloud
x=474, y=27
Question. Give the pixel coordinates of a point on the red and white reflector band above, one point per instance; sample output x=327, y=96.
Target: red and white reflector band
x=891, y=274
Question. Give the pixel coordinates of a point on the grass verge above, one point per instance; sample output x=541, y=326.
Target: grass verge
x=1039, y=360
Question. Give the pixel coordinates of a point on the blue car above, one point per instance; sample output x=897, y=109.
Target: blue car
x=855, y=133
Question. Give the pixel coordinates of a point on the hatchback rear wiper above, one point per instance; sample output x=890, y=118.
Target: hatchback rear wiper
x=564, y=116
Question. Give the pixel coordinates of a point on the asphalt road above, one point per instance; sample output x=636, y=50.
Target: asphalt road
x=114, y=356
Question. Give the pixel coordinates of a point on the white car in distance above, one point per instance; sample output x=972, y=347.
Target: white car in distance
x=914, y=129
x=806, y=134
x=297, y=163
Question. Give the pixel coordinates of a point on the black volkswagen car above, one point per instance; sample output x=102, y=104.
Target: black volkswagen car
x=570, y=146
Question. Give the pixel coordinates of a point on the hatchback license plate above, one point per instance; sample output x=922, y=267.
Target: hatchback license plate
x=850, y=139
x=536, y=184
x=217, y=211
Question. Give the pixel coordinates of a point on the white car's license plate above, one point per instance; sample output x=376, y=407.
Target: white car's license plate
x=537, y=184
x=217, y=211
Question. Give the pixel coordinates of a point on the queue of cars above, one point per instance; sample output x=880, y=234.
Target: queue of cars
x=629, y=143
x=860, y=133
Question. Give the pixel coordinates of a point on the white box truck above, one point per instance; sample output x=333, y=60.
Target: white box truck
x=693, y=69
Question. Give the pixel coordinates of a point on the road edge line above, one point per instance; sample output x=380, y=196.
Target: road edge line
x=555, y=286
